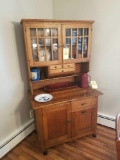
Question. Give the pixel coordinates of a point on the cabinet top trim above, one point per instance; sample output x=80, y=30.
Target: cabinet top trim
x=54, y=20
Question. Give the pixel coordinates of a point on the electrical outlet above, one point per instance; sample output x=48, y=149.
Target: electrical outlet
x=31, y=113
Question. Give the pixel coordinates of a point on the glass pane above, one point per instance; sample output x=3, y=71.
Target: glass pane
x=68, y=32
x=74, y=40
x=66, y=52
x=44, y=55
x=80, y=48
x=74, y=32
x=68, y=41
x=54, y=32
x=85, y=47
x=32, y=32
x=48, y=53
x=79, y=40
x=41, y=55
x=40, y=32
x=86, y=31
x=80, y=32
x=48, y=41
x=74, y=51
x=34, y=49
x=41, y=42
x=47, y=32
x=86, y=40
x=55, y=49
x=85, y=50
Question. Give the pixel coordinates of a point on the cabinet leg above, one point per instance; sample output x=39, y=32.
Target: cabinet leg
x=94, y=135
x=45, y=152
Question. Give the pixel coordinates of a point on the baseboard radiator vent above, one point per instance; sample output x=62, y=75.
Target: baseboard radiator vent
x=11, y=141
x=106, y=120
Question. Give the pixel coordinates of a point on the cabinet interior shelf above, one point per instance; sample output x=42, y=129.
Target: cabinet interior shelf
x=42, y=83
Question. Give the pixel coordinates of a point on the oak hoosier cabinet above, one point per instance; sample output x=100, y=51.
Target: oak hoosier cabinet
x=57, y=52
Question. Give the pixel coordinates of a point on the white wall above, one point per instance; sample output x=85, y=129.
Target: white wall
x=14, y=101
x=105, y=60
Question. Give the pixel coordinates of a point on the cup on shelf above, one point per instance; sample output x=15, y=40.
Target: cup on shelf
x=35, y=74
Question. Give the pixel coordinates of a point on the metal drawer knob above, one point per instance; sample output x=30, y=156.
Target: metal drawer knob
x=83, y=104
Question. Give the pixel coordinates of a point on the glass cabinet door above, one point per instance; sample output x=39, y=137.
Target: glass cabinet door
x=76, y=41
x=44, y=44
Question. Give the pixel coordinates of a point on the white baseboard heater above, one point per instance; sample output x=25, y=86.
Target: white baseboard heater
x=12, y=140
x=106, y=120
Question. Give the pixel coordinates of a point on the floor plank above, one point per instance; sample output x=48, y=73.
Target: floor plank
x=86, y=148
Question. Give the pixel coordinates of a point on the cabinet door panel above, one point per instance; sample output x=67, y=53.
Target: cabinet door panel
x=43, y=42
x=77, y=40
x=83, y=121
x=57, y=123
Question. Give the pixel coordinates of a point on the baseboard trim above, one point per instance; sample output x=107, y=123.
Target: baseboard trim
x=11, y=141
x=106, y=120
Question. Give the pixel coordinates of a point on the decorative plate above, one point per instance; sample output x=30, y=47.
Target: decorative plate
x=43, y=97
x=42, y=55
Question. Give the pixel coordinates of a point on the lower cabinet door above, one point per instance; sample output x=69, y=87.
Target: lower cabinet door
x=84, y=122
x=56, y=123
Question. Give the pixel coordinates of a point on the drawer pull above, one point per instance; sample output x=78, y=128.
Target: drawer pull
x=55, y=66
x=62, y=70
x=83, y=104
x=83, y=112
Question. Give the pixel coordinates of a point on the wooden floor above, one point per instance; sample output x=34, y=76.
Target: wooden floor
x=87, y=148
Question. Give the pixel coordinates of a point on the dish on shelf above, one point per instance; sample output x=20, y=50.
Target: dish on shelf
x=44, y=55
x=43, y=97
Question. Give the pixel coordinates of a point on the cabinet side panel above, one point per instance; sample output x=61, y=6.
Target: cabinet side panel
x=40, y=128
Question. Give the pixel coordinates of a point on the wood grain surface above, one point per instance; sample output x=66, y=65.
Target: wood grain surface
x=87, y=148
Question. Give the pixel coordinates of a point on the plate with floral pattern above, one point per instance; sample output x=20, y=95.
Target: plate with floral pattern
x=43, y=97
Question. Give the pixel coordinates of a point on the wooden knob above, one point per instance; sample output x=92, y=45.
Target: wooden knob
x=83, y=112
x=83, y=104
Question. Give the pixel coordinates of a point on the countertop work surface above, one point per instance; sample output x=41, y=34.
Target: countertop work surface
x=66, y=95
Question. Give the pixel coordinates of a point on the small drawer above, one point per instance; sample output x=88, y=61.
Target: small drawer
x=70, y=65
x=84, y=104
x=55, y=67
x=60, y=72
